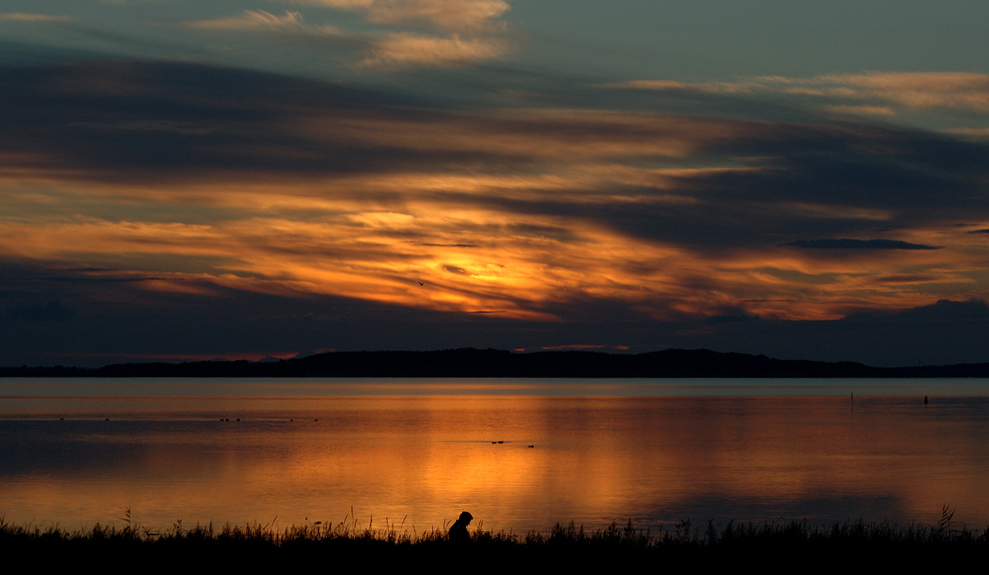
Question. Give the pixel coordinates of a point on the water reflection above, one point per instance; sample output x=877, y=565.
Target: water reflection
x=425, y=457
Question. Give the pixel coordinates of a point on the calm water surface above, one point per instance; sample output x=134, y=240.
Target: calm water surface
x=653, y=451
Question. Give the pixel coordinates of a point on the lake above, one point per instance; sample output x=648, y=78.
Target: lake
x=519, y=455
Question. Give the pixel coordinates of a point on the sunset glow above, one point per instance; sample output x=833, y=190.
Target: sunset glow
x=425, y=157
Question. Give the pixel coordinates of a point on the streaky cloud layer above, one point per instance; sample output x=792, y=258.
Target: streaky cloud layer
x=312, y=189
x=419, y=171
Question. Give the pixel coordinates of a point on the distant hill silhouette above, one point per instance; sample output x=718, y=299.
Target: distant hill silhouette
x=469, y=362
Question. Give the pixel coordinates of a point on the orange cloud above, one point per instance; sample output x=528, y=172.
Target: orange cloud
x=878, y=93
x=457, y=15
x=31, y=17
x=960, y=90
x=523, y=213
x=251, y=19
x=549, y=134
x=405, y=49
x=472, y=28
x=478, y=258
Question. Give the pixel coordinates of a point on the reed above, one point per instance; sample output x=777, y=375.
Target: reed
x=255, y=545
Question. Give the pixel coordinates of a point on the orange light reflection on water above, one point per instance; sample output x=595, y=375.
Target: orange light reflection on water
x=426, y=458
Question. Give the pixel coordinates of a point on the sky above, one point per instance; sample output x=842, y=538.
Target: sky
x=270, y=178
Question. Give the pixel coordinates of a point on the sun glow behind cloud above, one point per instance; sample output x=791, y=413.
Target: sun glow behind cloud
x=433, y=243
x=437, y=171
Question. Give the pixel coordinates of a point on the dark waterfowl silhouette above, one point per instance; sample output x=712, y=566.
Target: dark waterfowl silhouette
x=458, y=531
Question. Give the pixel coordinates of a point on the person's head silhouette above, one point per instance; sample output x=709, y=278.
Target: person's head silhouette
x=458, y=531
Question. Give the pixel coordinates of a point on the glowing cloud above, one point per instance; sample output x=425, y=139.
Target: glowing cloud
x=874, y=93
x=475, y=36
x=262, y=186
x=252, y=19
x=29, y=17
x=456, y=15
x=411, y=49
x=953, y=90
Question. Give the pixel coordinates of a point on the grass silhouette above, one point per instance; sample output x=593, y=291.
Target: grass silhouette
x=856, y=545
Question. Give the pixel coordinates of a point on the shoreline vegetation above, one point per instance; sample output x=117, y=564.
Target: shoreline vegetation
x=469, y=362
x=566, y=545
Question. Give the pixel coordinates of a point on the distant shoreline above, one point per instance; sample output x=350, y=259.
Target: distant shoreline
x=469, y=362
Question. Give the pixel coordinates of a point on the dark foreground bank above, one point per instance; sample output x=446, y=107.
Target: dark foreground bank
x=855, y=546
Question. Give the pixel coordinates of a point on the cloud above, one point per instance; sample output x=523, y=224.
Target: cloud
x=957, y=90
x=850, y=244
x=29, y=17
x=51, y=311
x=401, y=50
x=862, y=110
x=263, y=184
x=871, y=93
x=972, y=133
x=945, y=310
x=175, y=126
x=526, y=204
x=453, y=15
x=674, y=85
x=291, y=23
x=386, y=51
x=252, y=19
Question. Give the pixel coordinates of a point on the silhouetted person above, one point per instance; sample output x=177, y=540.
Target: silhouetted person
x=458, y=531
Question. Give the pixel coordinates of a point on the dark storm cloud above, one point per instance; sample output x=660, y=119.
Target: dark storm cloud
x=849, y=244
